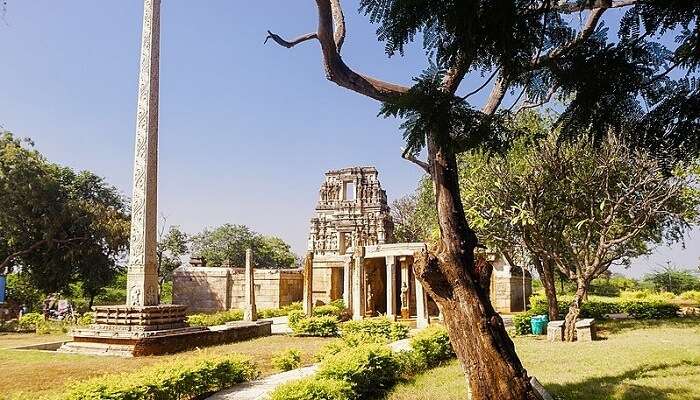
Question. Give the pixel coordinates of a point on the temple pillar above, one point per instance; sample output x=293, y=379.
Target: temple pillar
x=358, y=285
x=405, y=288
x=250, y=313
x=309, y=283
x=423, y=318
x=347, y=282
x=391, y=311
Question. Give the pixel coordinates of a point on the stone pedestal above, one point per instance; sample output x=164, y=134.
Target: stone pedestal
x=250, y=312
x=555, y=331
x=586, y=330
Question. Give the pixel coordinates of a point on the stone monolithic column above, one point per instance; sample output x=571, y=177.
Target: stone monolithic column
x=347, y=282
x=142, y=274
x=423, y=319
x=405, y=312
x=391, y=311
x=309, y=283
x=250, y=312
x=358, y=285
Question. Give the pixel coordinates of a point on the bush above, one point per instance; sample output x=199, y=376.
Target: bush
x=377, y=327
x=315, y=326
x=349, y=340
x=287, y=360
x=183, y=379
x=48, y=327
x=433, y=346
x=650, y=309
x=327, y=310
x=219, y=318
x=271, y=313
x=29, y=321
x=370, y=369
x=314, y=389
x=521, y=322
x=691, y=295
x=86, y=319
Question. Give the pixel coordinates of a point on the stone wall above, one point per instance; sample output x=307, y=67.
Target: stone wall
x=210, y=289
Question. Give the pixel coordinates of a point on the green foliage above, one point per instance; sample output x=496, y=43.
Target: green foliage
x=432, y=345
x=408, y=225
x=673, y=280
x=650, y=306
x=86, y=319
x=30, y=321
x=172, y=246
x=370, y=369
x=229, y=242
x=691, y=295
x=301, y=325
x=51, y=327
x=335, y=308
x=181, y=379
x=521, y=323
x=21, y=291
x=219, y=318
x=287, y=360
x=349, y=341
x=381, y=327
x=313, y=388
x=279, y=312
x=650, y=309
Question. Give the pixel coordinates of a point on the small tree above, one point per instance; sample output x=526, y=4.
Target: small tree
x=408, y=227
x=673, y=279
x=172, y=246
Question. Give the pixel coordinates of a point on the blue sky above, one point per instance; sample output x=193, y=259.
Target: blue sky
x=246, y=130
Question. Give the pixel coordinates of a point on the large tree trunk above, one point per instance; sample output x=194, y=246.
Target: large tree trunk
x=546, y=271
x=574, y=311
x=476, y=331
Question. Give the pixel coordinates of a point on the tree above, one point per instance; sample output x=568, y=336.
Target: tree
x=58, y=225
x=172, y=246
x=408, y=227
x=620, y=83
x=674, y=280
x=229, y=243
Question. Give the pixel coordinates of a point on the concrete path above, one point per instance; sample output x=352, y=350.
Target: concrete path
x=258, y=390
x=280, y=326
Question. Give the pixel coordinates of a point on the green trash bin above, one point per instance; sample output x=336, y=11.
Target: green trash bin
x=538, y=323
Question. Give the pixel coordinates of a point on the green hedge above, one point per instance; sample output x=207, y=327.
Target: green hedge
x=370, y=369
x=432, y=346
x=376, y=327
x=219, y=318
x=177, y=380
x=313, y=388
x=312, y=326
x=287, y=360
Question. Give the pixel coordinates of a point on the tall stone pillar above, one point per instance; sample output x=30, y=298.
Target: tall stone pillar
x=405, y=288
x=142, y=274
x=347, y=283
x=391, y=311
x=358, y=285
x=250, y=313
x=309, y=283
x=423, y=319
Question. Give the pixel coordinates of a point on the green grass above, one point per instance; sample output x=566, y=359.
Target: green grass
x=656, y=360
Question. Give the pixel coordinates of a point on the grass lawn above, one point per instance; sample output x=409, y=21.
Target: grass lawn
x=40, y=373
x=637, y=360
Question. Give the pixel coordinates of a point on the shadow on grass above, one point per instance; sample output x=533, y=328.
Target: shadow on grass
x=623, y=386
x=614, y=327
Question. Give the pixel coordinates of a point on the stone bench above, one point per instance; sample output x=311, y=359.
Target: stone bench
x=555, y=331
x=585, y=330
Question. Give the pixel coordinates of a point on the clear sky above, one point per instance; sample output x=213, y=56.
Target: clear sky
x=246, y=130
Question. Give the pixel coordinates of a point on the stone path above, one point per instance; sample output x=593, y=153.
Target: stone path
x=258, y=390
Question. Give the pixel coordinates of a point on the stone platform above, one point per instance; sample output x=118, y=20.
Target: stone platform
x=132, y=331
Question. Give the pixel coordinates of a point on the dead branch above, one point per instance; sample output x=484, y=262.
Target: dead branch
x=293, y=42
x=406, y=155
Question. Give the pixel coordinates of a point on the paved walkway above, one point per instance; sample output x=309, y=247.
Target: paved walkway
x=258, y=390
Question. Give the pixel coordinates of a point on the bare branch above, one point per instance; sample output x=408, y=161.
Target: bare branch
x=497, y=93
x=293, y=42
x=477, y=90
x=406, y=155
x=339, y=24
x=572, y=7
x=544, y=101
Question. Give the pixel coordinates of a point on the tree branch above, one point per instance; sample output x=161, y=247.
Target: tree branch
x=4, y=267
x=571, y=7
x=497, y=93
x=406, y=155
x=293, y=42
x=477, y=90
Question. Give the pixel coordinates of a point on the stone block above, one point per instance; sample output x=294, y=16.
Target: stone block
x=586, y=330
x=555, y=331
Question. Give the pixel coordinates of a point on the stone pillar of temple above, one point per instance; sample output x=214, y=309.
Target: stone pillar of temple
x=405, y=288
x=250, y=313
x=142, y=272
x=309, y=283
x=423, y=318
x=347, y=282
x=358, y=284
x=391, y=290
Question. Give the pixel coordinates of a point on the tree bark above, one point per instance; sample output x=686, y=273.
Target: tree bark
x=477, y=333
x=574, y=311
x=546, y=272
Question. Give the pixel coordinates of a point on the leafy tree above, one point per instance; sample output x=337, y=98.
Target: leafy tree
x=229, y=242
x=172, y=246
x=536, y=50
x=21, y=291
x=408, y=226
x=673, y=279
x=58, y=225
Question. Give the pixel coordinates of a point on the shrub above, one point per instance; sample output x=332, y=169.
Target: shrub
x=219, y=318
x=521, y=322
x=86, y=319
x=287, y=360
x=650, y=309
x=184, y=379
x=349, y=340
x=377, y=327
x=327, y=310
x=48, y=327
x=271, y=313
x=691, y=295
x=29, y=321
x=312, y=326
x=313, y=388
x=370, y=369
x=432, y=345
